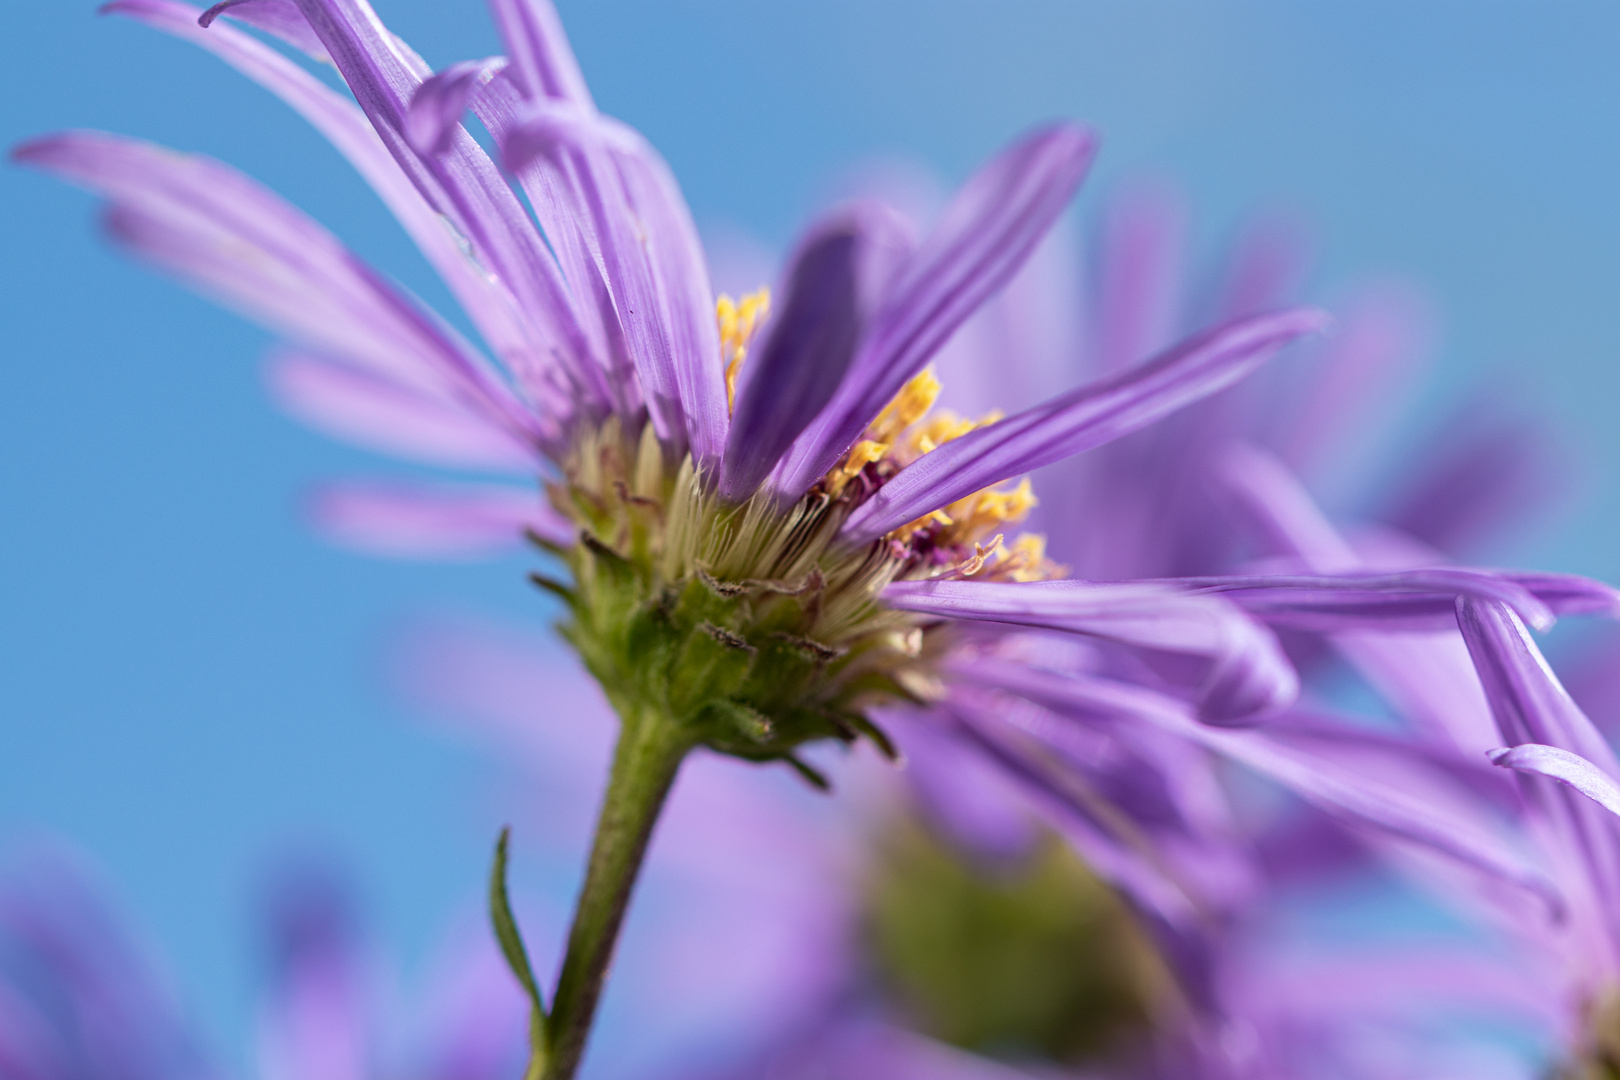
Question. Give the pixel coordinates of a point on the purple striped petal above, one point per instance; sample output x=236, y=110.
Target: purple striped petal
x=806, y=351
x=1390, y=799
x=463, y=184
x=350, y=404
x=569, y=147
x=279, y=18
x=227, y=236
x=1528, y=702
x=542, y=60
x=681, y=271
x=1079, y=420
x=985, y=235
x=1248, y=674
x=492, y=307
x=1572, y=769
x=417, y=521
x=439, y=103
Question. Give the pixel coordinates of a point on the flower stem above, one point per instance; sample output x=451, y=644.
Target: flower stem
x=650, y=750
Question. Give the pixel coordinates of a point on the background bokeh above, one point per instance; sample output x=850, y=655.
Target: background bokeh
x=189, y=682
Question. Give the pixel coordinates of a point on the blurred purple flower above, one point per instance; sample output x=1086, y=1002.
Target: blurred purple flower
x=79, y=998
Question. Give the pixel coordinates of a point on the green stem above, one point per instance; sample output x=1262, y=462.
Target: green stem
x=650, y=749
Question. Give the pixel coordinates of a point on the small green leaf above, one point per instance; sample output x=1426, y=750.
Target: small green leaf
x=517, y=957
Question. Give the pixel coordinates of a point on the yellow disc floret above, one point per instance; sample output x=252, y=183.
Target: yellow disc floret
x=739, y=320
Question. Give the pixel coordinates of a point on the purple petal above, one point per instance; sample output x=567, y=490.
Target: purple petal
x=681, y=274
x=279, y=18
x=1267, y=267
x=1248, y=674
x=317, y=1022
x=1079, y=420
x=228, y=237
x=439, y=103
x=1526, y=698
x=350, y=404
x=985, y=235
x=1483, y=473
x=589, y=213
x=805, y=353
x=1389, y=799
x=1411, y=600
x=463, y=184
x=494, y=310
x=542, y=61
x=1380, y=345
x=1572, y=769
x=416, y=521
x=1428, y=677
x=1140, y=277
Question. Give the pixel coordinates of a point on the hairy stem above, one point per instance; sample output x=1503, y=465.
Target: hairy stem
x=650, y=749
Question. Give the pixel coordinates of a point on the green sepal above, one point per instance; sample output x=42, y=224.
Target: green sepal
x=517, y=957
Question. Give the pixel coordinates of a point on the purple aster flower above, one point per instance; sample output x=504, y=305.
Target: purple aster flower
x=767, y=533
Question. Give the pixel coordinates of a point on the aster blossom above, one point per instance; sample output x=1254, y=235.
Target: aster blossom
x=767, y=533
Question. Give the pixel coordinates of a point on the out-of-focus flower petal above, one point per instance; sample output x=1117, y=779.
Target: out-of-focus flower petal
x=1080, y=420
x=985, y=235
x=227, y=236
x=1140, y=276
x=419, y=521
x=351, y=404
x=1402, y=808
x=1248, y=673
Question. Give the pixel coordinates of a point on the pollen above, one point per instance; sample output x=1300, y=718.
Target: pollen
x=1025, y=560
x=941, y=428
x=909, y=405
x=859, y=457
x=982, y=512
x=739, y=320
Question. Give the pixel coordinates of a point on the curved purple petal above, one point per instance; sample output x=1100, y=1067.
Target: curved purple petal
x=279, y=18
x=1529, y=703
x=1248, y=673
x=350, y=404
x=419, y=521
x=1080, y=420
x=1572, y=769
x=985, y=235
x=439, y=103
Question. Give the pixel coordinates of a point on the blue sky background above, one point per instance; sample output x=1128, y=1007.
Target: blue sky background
x=190, y=683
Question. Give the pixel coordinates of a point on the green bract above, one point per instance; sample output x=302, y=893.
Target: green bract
x=750, y=626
